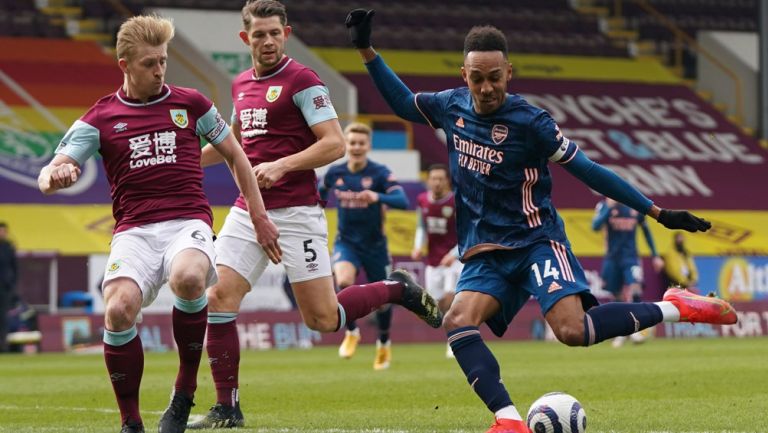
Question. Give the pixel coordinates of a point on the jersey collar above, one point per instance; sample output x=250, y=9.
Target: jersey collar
x=282, y=64
x=164, y=93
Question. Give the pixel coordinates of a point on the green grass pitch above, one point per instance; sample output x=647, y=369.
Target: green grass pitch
x=670, y=386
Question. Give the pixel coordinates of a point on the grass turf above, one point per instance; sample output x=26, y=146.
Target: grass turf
x=675, y=386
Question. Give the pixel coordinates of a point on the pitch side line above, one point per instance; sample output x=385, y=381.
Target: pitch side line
x=246, y=429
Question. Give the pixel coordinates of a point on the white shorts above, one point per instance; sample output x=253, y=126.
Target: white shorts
x=441, y=280
x=145, y=253
x=303, y=240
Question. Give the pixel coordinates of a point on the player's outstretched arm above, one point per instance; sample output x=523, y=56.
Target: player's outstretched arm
x=62, y=172
x=398, y=96
x=266, y=231
x=608, y=183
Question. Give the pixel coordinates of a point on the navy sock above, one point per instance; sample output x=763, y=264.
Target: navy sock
x=384, y=320
x=480, y=367
x=619, y=318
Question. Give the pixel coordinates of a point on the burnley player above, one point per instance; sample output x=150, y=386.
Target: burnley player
x=437, y=224
x=622, y=274
x=511, y=239
x=363, y=190
x=288, y=127
x=148, y=134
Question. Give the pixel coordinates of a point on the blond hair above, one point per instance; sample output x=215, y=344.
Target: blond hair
x=149, y=30
x=360, y=128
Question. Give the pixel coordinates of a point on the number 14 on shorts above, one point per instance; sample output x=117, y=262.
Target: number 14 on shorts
x=549, y=271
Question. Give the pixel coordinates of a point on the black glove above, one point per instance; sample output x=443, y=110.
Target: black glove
x=682, y=219
x=359, y=24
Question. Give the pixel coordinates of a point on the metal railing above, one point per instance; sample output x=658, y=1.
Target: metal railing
x=682, y=39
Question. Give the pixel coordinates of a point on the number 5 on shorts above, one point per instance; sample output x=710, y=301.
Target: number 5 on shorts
x=307, y=250
x=549, y=270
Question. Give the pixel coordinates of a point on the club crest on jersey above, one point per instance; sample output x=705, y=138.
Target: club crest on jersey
x=367, y=181
x=273, y=93
x=180, y=118
x=499, y=133
x=447, y=211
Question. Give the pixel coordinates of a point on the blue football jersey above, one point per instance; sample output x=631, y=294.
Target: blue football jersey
x=499, y=170
x=359, y=223
x=621, y=229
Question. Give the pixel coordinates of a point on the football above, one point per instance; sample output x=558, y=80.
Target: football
x=557, y=412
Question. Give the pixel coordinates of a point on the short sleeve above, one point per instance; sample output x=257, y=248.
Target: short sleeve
x=432, y=106
x=315, y=104
x=550, y=141
x=212, y=126
x=80, y=142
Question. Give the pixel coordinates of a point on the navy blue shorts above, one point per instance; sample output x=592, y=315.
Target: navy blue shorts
x=548, y=271
x=618, y=273
x=373, y=259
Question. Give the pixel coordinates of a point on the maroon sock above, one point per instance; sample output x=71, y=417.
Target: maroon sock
x=189, y=333
x=359, y=301
x=125, y=365
x=224, y=353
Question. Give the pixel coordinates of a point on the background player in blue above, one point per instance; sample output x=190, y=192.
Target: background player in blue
x=511, y=238
x=363, y=189
x=622, y=272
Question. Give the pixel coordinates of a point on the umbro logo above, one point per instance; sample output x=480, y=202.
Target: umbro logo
x=240, y=96
x=460, y=122
x=117, y=377
x=554, y=287
x=120, y=127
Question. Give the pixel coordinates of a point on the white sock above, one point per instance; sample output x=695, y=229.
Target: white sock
x=508, y=412
x=669, y=312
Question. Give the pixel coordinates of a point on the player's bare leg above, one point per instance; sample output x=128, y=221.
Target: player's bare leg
x=188, y=276
x=320, y=309
x=317, y=303
x=445, y=304
x=346, y=273
x=123, y=352
x=223, y=347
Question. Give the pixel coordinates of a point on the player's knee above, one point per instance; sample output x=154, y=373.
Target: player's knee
x=456, y=319
x=221, y=299
x=322, y=322
x=188, y=284
x=119, y=316
x=570, y=334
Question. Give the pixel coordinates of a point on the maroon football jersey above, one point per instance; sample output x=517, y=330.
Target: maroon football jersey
x=275, y=112
x=151, y=153
x=439, y=218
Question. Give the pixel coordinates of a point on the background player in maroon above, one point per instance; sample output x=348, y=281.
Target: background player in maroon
x=148, y=135
x=287, y=125
x=437, y=225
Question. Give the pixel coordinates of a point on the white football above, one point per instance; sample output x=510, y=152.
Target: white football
x=557, y=412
